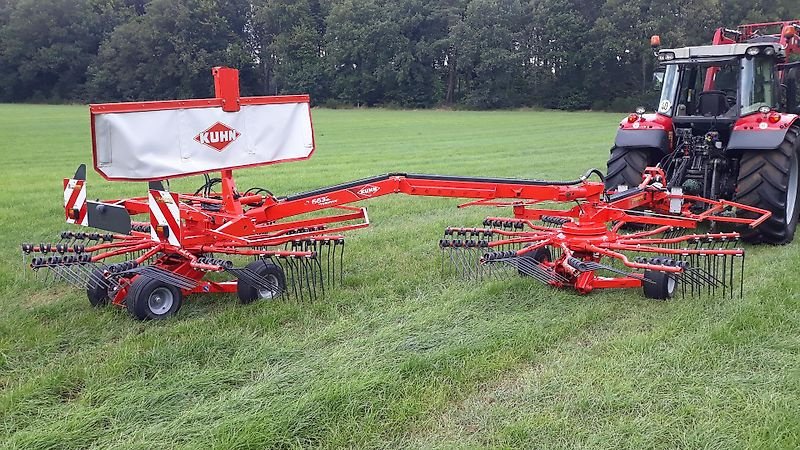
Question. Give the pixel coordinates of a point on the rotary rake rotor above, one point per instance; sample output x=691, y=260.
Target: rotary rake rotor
x=644, y=237
x=151, y=252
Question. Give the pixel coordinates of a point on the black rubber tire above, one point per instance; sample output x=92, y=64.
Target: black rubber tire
x=265, y=269
x=626, y=165
x=138, y=299
x=763, y=182
x=663, y=285
x=96, y=292
x=539, y=255
x=791, y=81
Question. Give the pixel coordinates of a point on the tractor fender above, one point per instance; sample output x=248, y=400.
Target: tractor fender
x=643, y=138
x=753, y=134
x=756, y=139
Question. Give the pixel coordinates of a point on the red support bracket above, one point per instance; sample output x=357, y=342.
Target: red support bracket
x=226, y=87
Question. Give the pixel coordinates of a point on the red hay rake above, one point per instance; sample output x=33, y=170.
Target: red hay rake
x=252, y=243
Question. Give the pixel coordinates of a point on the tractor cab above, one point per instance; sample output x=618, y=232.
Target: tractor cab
x=715, y=85
x=726, y=125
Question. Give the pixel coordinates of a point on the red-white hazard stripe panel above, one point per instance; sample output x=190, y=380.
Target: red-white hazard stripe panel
x=165, y=217
x=75, y=201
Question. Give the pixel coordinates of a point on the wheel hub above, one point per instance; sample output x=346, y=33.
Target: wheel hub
x=160, y=300
x=273, y=290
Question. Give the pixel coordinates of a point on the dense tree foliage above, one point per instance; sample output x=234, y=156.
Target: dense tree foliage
x=570, y=54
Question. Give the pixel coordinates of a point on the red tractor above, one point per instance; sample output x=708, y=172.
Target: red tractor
x=726, y=126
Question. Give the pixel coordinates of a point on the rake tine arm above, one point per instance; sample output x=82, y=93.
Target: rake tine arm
x=271, y=241
x=122, y=251
x=641, y=234
x=521, y=240
x=251, y=252
x=533, y=247
x=624, y=259
x=722, y=237
x=672, y=251
x=110, y=245
x=149, y=254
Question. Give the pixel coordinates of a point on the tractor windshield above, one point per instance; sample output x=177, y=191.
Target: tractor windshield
x=701, y=89
x=729, y=88
x=758, y=84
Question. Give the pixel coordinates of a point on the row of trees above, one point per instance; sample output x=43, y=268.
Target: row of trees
x=569, y=54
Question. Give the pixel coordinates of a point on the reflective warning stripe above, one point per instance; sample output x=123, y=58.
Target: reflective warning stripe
x=75, y=198
x=164, y=211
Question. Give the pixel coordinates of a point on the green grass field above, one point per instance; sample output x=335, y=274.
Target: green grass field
x=399, y=356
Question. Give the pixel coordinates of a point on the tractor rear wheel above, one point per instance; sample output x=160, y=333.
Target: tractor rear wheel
x=626, y=165
x=149, y=298
x=770, y=179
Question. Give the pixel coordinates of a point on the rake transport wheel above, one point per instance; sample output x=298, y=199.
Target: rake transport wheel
x=149, y=298
x=661, y=285
x=275, y=282
x=95, y=290
x=538, y=256
x=769, y=179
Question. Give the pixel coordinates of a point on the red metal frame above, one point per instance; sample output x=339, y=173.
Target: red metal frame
x=257, y=225
x=260, y=225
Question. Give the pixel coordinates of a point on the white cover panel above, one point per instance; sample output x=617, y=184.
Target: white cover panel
x=161, y=144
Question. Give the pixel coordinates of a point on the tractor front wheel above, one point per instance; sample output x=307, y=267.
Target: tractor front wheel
x=770, y=179
x=149, y=298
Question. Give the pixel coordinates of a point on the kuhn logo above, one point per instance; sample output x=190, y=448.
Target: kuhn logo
x=368, y=191
x=322, y=201
x=217, y=136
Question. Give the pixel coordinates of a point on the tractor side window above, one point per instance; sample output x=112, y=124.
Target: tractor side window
x=758, y=84
x=669, y=85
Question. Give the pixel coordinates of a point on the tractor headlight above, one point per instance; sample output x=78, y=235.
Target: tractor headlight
x=753, y=51
x=769, y=51
x=666, y=56
x=764, y=109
